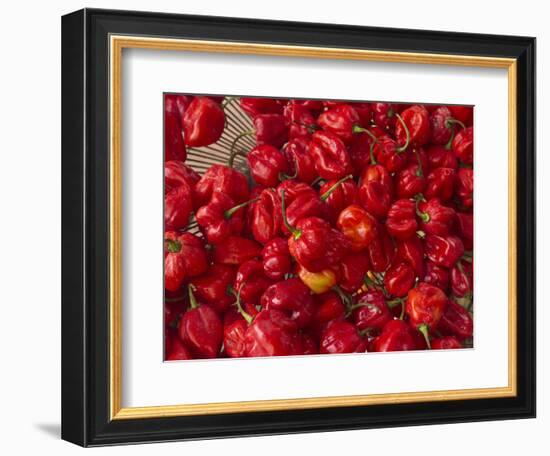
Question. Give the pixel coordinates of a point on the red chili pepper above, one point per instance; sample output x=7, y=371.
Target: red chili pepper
x=330, y=155
x=301, y=202
x=465, y=187
x=185, y=257
x=174, y=146
x=299, y=160
x=266, y=216
x=465, y=229
x=270, y=129
x=306, y=344
x=255, y=106
x=425, y=306
x=340, y=121
x=436, y=218
x=410, y=182
x=276, y=259
x=236, y=250
x=251, y=281
x=178, y=351
x=463, y=145
x=178, y=204
x=300, y=120
x=416, y=125
x=389, y=154
x=456, y=321
x=221, y=218
x=375, y=191
x=381, y=250
x=440, y=184
x=411, y=251
x=443, y=125
x=401, y=222
x=383, y=115
x=341, y=336
x=203, y=122
x=396, y=336
x=329, y=307
x=353, y=268
x=399, y=279
x=337, y=196
x=436, y=275
x=361, y=152
x=444, y=250
x=267, y=165
x=200, y=329
x=221, y=179
x=291, y=297
x=463, y=113
x=364, y=112
x=271, y=333
x=358, y=226
x=446, y=343
x=177, y=173
x=318, y=282
x=462, y=278
x=176, y=104
x=371, y=312
x=441, y=157
x=213, y=286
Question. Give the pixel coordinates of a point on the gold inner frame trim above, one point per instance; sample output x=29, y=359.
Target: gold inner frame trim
x=117, y=44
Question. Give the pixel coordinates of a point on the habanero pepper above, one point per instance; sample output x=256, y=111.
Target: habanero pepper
x=353, y=268
x=300, y=121
x=456, y=321
x=270, y=129
x=213, y=286
x=371, y=312
x=401, y=221
x=221, y=179
x=174, y=146
x=465, y=229
x=267, y=165
x=271, y=333
x=176, y=104
x=185, y=257
x=251, y=281
x=234, y=328
x=266, y=216
x=276, y=259
x=291, y=297
x=330, y=155
x=340, y=121
x=399, y=279
x=441, y=157
x=299, y=161
x=411, y=251
x=462, y=278
x=178, y=204
x=177, y=173
x=381, y=250
x=443, y=125
x=440, y=184
x=383, y=115
x=410, y=181
x=465, y=187
x=329, y=307
x=177, y=350
x=375, y=190
x=444, y=250
x=203, y=122
x=341, y=336
x=337, y=196
x=463, y=145
x=435, y=217
x=415, y=125
x=446, y=343
x=396, y=335
x=255, y=106
x=358, y=226
x=318, y=282
x=301, y=201
x=236, y=250
x=436, y=275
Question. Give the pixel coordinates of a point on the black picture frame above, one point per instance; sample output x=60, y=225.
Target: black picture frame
x=85, y=227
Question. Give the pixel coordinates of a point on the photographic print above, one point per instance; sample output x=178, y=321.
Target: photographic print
x=307, y=226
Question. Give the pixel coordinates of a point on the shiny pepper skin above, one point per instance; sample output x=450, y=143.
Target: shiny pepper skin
x=329, y=307
x=353, y=268
x=381, y=250
x=417, y=120
x=440, y=184
x=185, y=257
x=270, y=129
x=219, y=219
x=360, y=152
x=425, y=305
x=266, y=164
x=178, y=351
x=203, y=122
x=177, y=173
x=410, y=182
x=401, y=222
x=375, y=191
x=291, y=297
x=358, y=226
x=371, y=311
x=271, y=333
x=465, y=187
x=444, y=250
x=318, y=246
x=436, y=218
x=234, y=338
x=456, y=321
x=174, y=146
x=339, y=198
x=330, y=155
x=383, y=115
x=235, y=250
x=446, y=343
x=318, y=282
x=390, y=155
x=301, y=202
x=436, y=275
x=276, y=259
x=176, y=104
x=251, y=281
x=221, y=179
x=395, y=336
x=463, y=145
x=300, y=162
x=399, y=279
x=255, y=106
x=300, y=121
x=341, y=336
x=465, y=229
x=462, y=278
x=201, y=330
x=441, y=157
x=340, y=120
x=178, y=204
x=212, y=287
x=266, y=218
x=442, y=126
x=411, y=251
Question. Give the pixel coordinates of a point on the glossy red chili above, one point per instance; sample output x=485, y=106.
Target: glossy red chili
x=341, y=336
x=291, y=297
x=185, y=257
x=266, y=217
x=358, y=226
x=300, y=162
x=340, y=121
x=276, y=259
x=381, y=250
x=465, y=187
x=178, y=204
x=267, y=165
x=436, y=275
x=177, y=173
x=411, y=251
x=441, y=157
x=330, y=155
x=178, y=351
x=399, y=279
x=462, y=278
x=255, y=106
x=221, y=179
x=444, y=250
x=271, y=333
x=270, y=129
x=383, y=115
x=371, y=312
x=440, y=184
x=375, y=191
x=456, y=321
x=463, y=145
x=425, y=306
x=203, y=122
x=395, y=336
x=416, y=119
x=435, y=218
x=251, y=281
x=174, y=146
x=235, y=250
x=300, y=120
x=445, y=343
x=410, y=181
x=443, y=125
x=353, y=268
x=213, y=287
x=337, y=196
x=401, y=222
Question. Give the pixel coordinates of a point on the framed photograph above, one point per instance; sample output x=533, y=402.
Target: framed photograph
x=271, y=227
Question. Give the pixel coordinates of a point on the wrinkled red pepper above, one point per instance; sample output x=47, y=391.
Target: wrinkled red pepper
x=463, y=145
x=300, y=120
x=236, y=250
x=266, y=216
x=330, y=155
x=411, y=251
x=203, y=122
x=276, y=259
x=436, y=275
x=291, y=297
x=271, y=333
x=358, y=226
x=440, y=184
x=251, y=281
x=185, y=257
x=178, y=204
x=401, y=222
x=444, y=250
x=299, y=160
x=337, y=196
x=221, y=179
x=371, y=311
x=267, y=165
x=375, y=190
x=341, y=336
x=353, y=268
x=399, y=279
x=381, y=250
x=177, y=173
x=255, y=106
x=465, y=187
x=456, y=321
x=416, y=122
x=425, y=306
x=396, y=336
x=435, y=217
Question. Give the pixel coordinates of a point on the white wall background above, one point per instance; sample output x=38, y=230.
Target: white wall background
x=30, y=193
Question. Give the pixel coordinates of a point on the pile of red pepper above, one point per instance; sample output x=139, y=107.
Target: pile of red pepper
x=350, y=231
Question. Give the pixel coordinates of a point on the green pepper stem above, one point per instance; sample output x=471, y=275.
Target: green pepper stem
x=424, y=329
x=407, y=132
x=450, y=123
x=296, y=233
x=243, y=312
x=229, y=212
x=420, y=172
x=284, y=176
x=325, y=195
x=424, y=216
x=234, y=152
x=192, y=299
x=358, y=129
x=311, y=128
x=172, y=245
x=344, y=297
